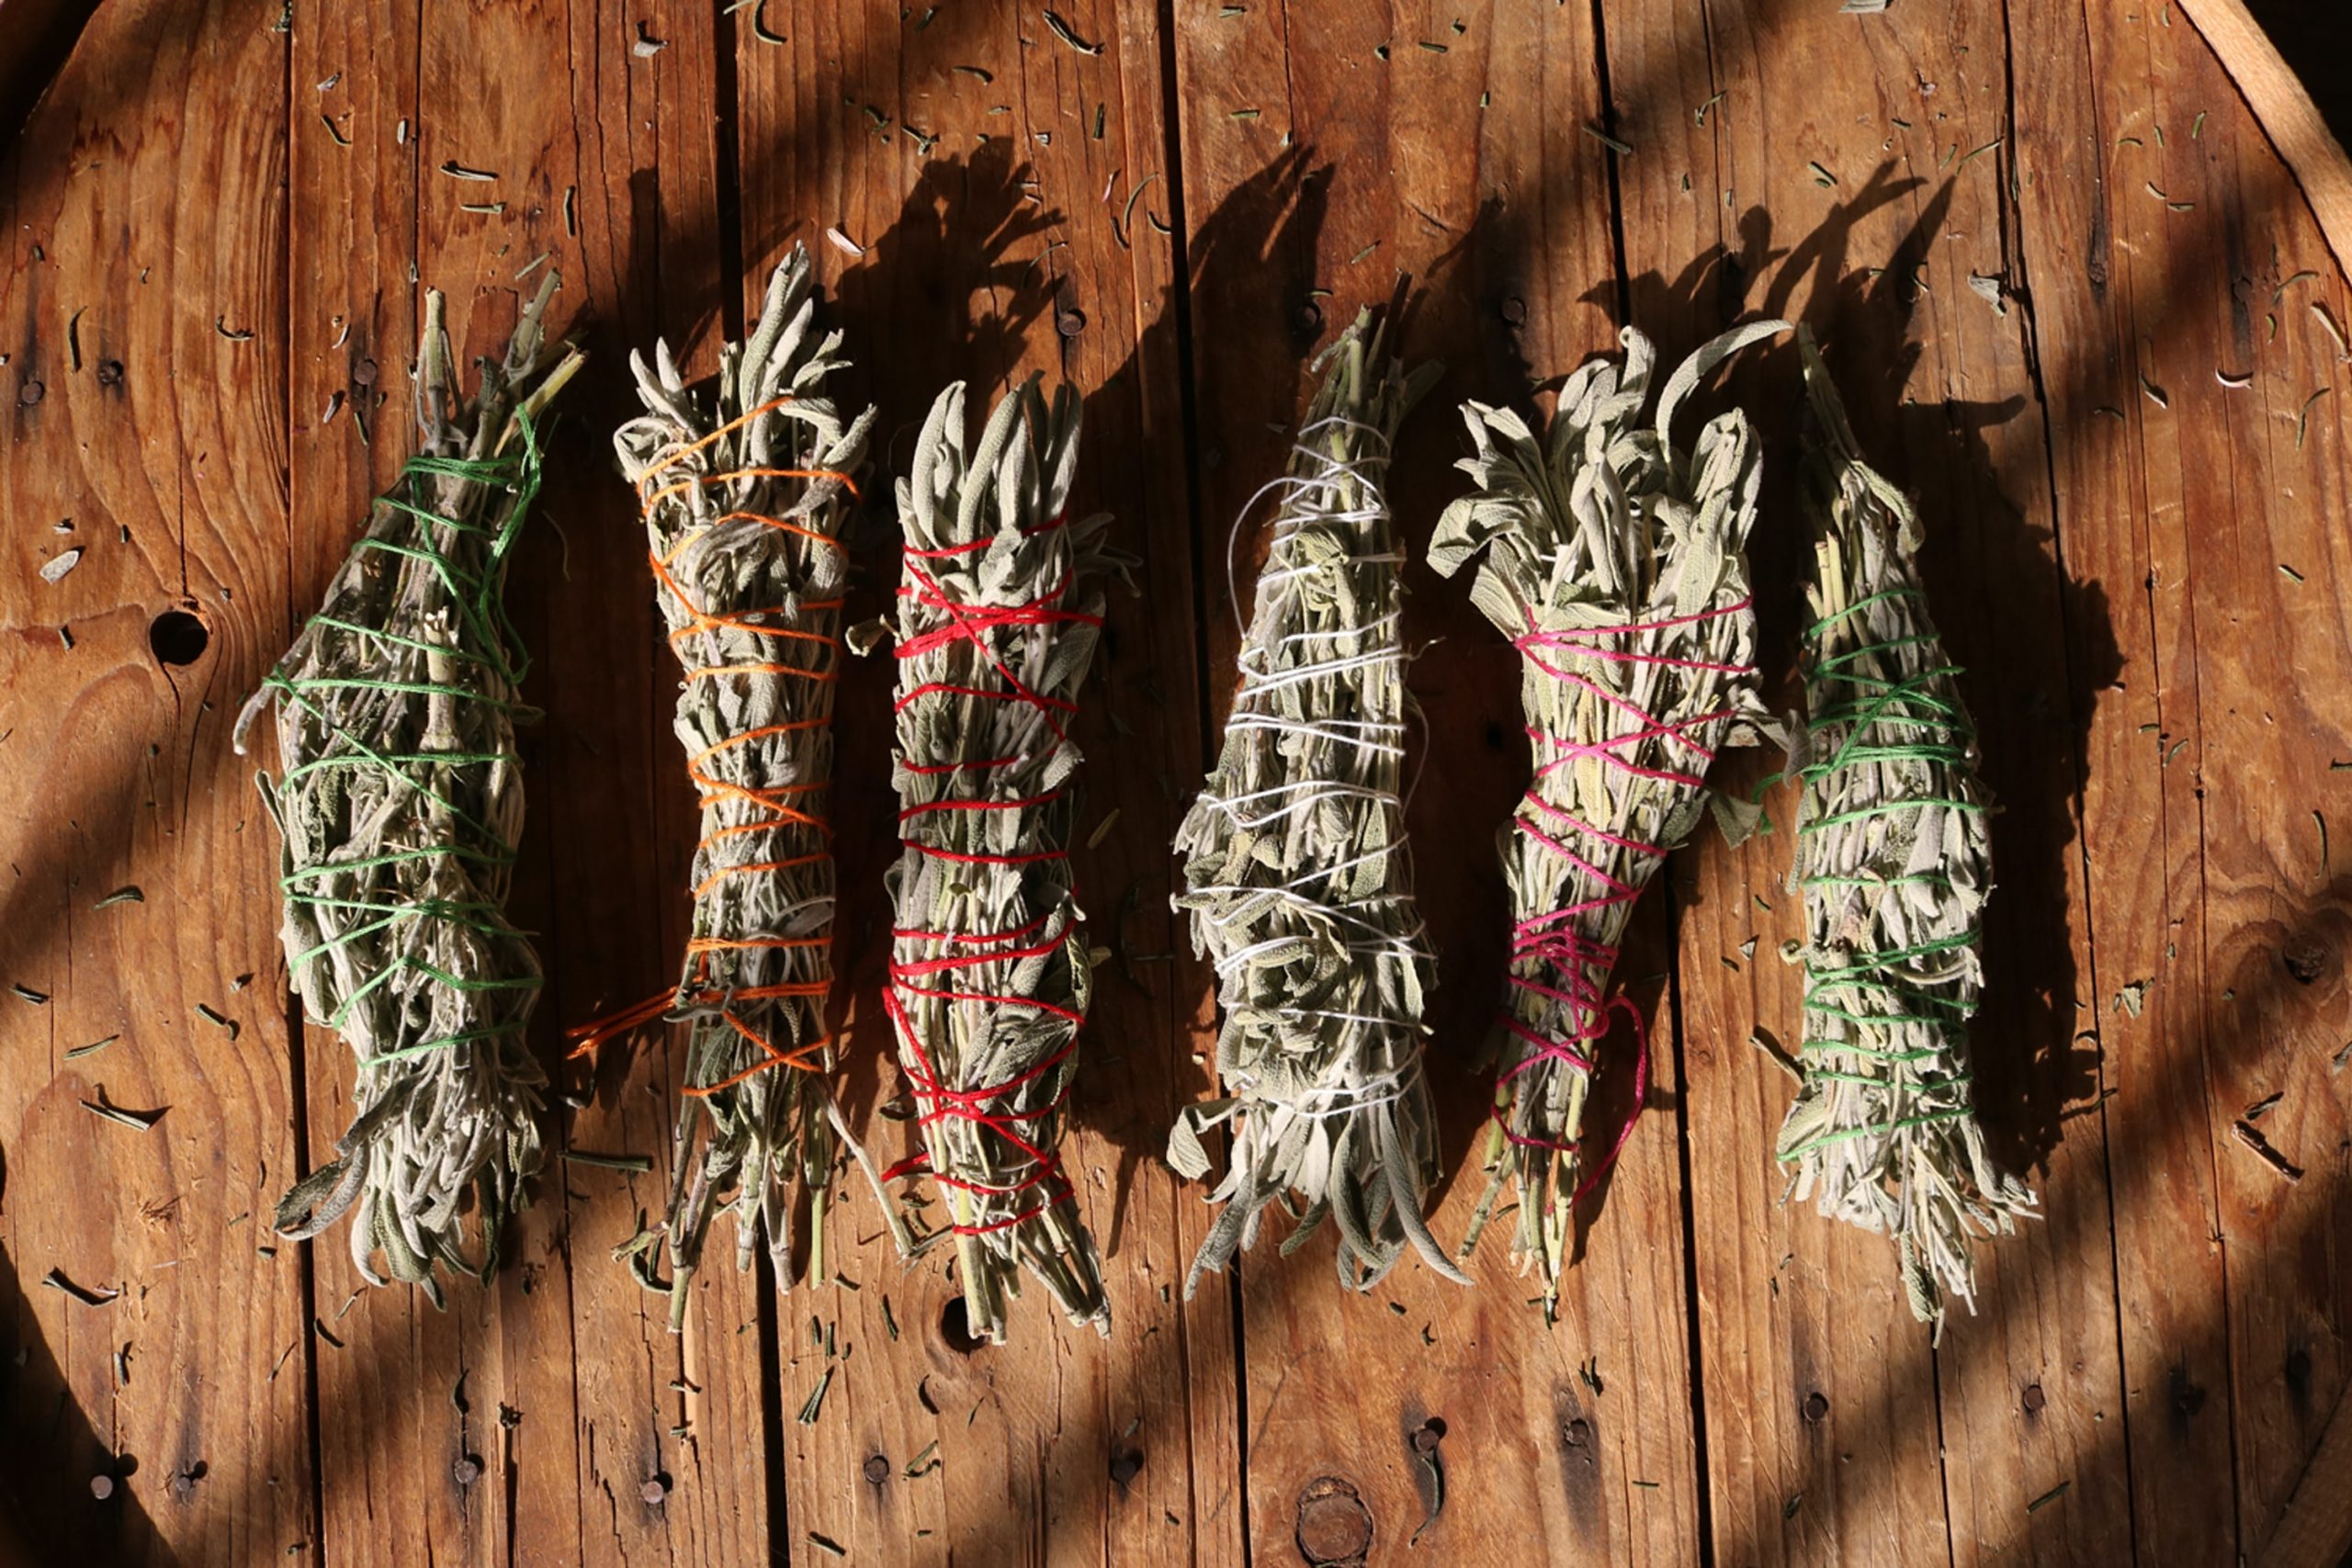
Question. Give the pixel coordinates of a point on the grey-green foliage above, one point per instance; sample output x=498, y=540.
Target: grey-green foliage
x=746, y=485
x=1893, y=861
x=1615, y=561
x=983, y=878
x=400, y=804
x=1296, y=873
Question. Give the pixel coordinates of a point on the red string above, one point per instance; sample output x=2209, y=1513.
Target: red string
x=1568, y=966
x=985, y=1106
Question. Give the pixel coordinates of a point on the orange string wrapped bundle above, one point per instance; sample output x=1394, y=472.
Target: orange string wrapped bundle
x=743, y=503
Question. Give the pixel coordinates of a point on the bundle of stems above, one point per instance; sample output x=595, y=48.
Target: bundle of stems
x=400, y=806
x=1614, y=561
x=1296, y=873
x=1893, y=863
x=999, y=612
x=743, y=491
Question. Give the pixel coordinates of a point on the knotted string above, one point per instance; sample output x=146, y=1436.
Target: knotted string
x=775, y=809
x=968, y=966
x=1552, y=955
x=490, y=644
x=1939, y=735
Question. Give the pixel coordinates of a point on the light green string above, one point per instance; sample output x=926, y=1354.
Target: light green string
x=497, y=647
x=1942, y=737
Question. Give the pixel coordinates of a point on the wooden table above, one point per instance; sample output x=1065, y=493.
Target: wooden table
x=2079, y=305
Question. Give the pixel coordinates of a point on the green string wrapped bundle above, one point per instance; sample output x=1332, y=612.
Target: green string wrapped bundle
x=400, y=808
x=1893, y=863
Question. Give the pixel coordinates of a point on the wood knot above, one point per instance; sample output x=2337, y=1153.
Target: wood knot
x=955, y=1328
x=2305, y=957
x=177, y=638
x=1334, y=1527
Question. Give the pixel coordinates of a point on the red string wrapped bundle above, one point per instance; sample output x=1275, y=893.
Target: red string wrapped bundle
x=997, y=616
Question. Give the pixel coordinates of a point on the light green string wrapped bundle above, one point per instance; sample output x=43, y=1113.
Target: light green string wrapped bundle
x=1295, y=871
x=1894, y=864
x=399, y=806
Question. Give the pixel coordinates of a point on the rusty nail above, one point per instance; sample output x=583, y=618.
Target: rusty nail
x=102, y=1488
x=364, y=373
x=1817, y=1405
x=2034, y=1398
x=1514, y=309
x=468, y=1470
x=1307, y=319
x=877, y=1469
x=1070, y=320
x=1125, y=1465
x=32, y=392
x=109, y=372
x=655, y=1489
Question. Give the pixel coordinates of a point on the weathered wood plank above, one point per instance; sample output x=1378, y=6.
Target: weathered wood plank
x=1454, y=153
x=1818, y=1392
x=1804, y=180
x=674, y=1431
x=966, y=156
x=2178, y=440
x=141, y=425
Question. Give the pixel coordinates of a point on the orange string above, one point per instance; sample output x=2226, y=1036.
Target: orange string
x=771, y=802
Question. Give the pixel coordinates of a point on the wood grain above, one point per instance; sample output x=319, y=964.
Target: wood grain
x=1451, y=154
x=142, y=426
x=2079, y=306
x=962, y=180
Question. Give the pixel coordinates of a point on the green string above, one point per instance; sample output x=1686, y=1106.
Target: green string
x=1891, y=722
x=490, y=642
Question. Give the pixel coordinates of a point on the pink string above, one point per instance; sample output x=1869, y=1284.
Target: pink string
x=1568, y=966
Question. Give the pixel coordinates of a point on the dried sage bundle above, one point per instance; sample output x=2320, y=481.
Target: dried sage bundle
x=999, y=611
x=1296, y=870
x=1613, y=562
x=1894, y=862
x=400, y=806
x=744, y=490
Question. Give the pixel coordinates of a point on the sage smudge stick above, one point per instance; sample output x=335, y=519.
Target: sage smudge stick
x=743, y=493
x=1894, y=862
x=998, y=613
x=399, y=805
x=1614, y=561
x=1296, y=875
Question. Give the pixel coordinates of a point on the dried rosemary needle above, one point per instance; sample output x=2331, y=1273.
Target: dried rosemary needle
x=999, y=612
x=1894, y=862
x=744, y=490
x=1296, y=875
x=399, y=805
x=1613, y=562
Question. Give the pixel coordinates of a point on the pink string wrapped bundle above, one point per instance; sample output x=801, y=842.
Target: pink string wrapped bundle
x=1613, y=562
